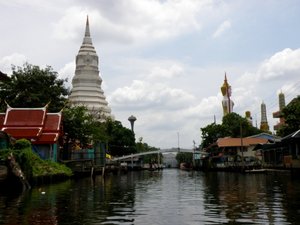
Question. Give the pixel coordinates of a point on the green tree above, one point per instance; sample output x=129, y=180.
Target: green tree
x=291, y=114
x=121, y=140
x=31, y=86
x=234, y=123
x=211, y=133
x=144, y=147
x=184, y=157
x=79, y=125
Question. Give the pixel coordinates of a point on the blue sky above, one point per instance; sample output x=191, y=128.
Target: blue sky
x=164, y=61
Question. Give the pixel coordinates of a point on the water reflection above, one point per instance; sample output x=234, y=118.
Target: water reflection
x=159, y=197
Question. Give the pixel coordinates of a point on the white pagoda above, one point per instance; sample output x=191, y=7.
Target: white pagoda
x=86, y=84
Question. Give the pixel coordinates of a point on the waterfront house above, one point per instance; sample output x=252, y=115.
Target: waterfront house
x=41, y=128
x=234, y=152
x=284, y=153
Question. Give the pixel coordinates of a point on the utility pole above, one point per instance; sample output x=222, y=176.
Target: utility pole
x=242, y=146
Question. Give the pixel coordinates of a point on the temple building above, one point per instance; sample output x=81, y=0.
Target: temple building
x=227, y=103
x=264, y=126
x=278, y=114
x=41, y=128
x=86, y=84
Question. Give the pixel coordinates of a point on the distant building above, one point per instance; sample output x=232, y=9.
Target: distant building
x=86, y=83
x=264, y=126
x=278, y=114
x=227, y=103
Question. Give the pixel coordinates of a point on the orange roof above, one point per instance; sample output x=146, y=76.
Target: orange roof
x=236, y=142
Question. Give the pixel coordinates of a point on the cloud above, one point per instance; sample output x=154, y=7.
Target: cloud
x=285, y=63
x=148, y=95
x=15, y=59
x=222, y=28
x=169, y=72
x=142, y=21
x=67, y=72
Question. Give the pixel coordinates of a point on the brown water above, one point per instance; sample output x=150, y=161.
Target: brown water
x=160, y=197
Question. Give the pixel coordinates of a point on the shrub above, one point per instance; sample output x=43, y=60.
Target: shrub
x=22, y=144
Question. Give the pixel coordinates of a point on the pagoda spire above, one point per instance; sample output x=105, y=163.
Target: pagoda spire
x=264, y=126
x=87, y=40
x=86, y=83
x=87, y=27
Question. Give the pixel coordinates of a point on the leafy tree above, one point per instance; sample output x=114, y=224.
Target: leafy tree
x=212, y=132
x=291, y=114
x=184, y=157
x=144, y=147
x=31, y=86
x=79, y=125
x=121, y=140
x=232, y=125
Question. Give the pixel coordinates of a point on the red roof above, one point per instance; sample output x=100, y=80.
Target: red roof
x=53, y=121
x=24, y=117
x=23, y=132
x=2, y=117
x=46, y=138
x=34, y=124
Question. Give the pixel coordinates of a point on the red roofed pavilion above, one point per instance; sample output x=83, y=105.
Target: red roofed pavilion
x=43, y=129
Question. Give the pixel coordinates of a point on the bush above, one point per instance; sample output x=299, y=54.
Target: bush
x=22, y=144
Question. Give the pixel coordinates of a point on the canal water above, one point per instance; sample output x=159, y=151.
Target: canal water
x=167, y=197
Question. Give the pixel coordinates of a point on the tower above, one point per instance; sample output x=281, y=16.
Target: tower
x=264, y=126
x=278, y=114
x=132, y=119
x=227, y=103
x=86, y=83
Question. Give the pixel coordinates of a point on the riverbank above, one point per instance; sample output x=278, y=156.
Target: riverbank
x=22, y=167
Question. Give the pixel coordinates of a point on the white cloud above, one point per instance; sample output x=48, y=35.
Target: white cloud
x=222, y=28
x=166, y=72
x=67, y=72
x=281, y=65
x=142, y=21
x=144, y=94
x=15, y=59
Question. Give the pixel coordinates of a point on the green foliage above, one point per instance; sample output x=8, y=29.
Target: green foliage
x=231, y=126
x=121, y=140
x=31, y=86
x=291, y=114
x=22, y=144
x=33, y=166
x=79, y=124
x=234, y=124
x=212, y=132
x=144, y=147
x=184, y=157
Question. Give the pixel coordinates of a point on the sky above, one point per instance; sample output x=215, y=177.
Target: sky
x=164, y=61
